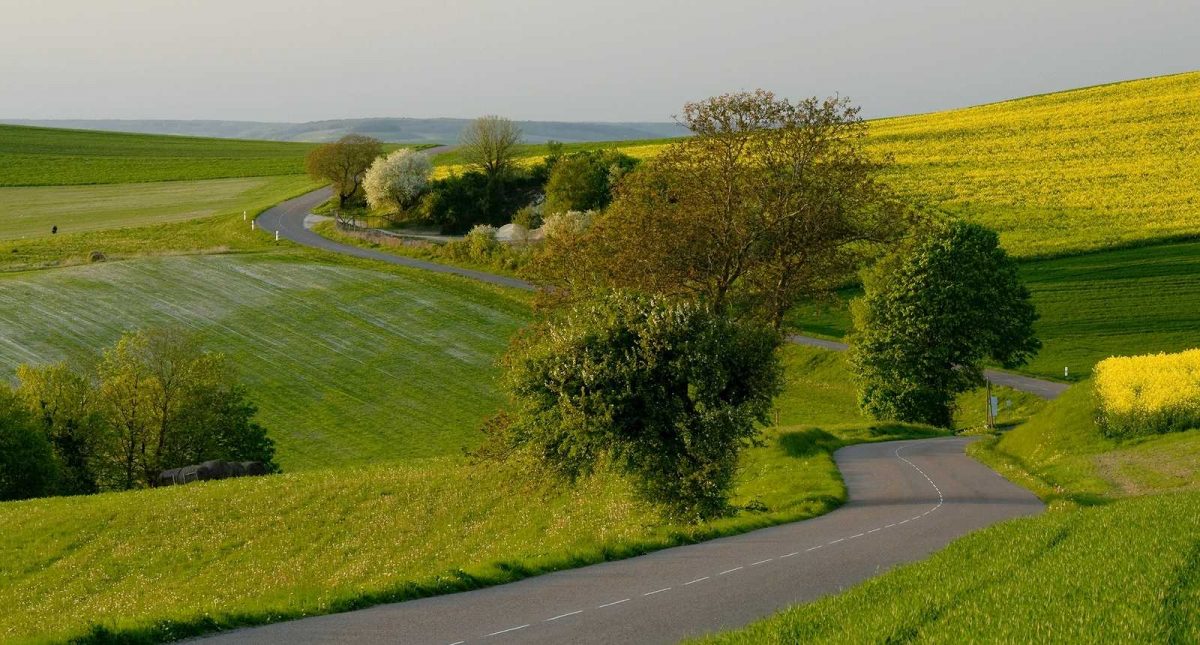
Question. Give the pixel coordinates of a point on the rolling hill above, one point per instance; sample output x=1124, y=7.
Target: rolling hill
x=396, y=130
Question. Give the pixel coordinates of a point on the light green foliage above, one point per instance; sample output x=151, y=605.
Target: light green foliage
x=31, y=212
x=58, y=157
x=931, y=314
x=347, y=364
x=1128, y=572
x=668, y=393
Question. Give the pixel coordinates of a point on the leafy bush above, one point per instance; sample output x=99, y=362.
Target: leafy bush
x=666, y=393
x=397, y=180
x=584, y=180
x=458, y=202
x=1155, y=393
x=27, y=465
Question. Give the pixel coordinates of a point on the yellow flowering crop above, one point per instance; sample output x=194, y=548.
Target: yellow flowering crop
x=1149, y=394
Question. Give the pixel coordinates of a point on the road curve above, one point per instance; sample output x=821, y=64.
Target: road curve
x=288, y=219
x=906, y=500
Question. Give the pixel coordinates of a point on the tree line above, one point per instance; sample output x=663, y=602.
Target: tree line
x=493, y=190
x=153, y=401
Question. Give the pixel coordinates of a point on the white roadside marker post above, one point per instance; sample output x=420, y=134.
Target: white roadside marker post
x=252, y=225
x=243, y=216
x=276, y=236
x=1066, y=372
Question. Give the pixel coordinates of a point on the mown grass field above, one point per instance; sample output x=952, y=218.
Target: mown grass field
x=57, y=157
x=1127, y=301
x=30, y=212
x=350, y=363
x=324, y=540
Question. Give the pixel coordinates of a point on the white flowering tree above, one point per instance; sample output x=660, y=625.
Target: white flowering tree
x=397, y=180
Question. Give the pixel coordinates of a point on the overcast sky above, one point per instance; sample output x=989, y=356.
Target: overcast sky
x=611, y=60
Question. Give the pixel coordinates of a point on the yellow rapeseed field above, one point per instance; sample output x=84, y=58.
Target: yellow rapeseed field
x=1054, y=174
x=1148, y=394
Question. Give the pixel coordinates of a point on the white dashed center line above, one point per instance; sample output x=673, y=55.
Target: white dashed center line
x=695, y=581
x=730, y=570
x=610, y=604
x=570, y=613
x=505, y=631
x=651, y=593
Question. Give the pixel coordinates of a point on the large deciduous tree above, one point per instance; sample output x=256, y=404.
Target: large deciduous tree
x=397, y=180
x=343, y=163
x=64, y=402
x=584, y=181
x=666, y=392
x=27, y=463
x=489, y=144
x=769, y=201
x=932, y=313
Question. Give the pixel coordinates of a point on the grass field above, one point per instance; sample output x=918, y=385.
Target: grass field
x=350, y=363
x=32, y=211
x=319, y=541
x=57, y=157
x=1128, y=301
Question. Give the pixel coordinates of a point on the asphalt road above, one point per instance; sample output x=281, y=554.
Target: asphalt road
x=288, y=219
x=906, y=500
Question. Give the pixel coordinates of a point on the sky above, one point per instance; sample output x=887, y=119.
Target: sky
x=610, y=60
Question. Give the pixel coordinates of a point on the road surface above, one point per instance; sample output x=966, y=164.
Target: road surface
x=288, y=219
x=906, y=500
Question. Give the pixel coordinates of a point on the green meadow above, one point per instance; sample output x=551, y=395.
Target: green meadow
x=312, y=542
x=58, y=157
x=350, y=363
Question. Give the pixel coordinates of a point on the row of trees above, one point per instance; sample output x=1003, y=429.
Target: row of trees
x=655, y=354
x=153, y=401
x=493, y=189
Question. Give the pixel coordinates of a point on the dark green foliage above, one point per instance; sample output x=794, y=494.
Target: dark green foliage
x=931, y=314
x=458, y=202
x=666, y=393
x=27, y=465
x=584, y=180
x=218, y=423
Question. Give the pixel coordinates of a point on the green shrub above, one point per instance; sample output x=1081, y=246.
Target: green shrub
x=27, y=464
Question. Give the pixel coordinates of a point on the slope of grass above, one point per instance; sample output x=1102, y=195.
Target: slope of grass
x=1127, y=301
x=349, y=362
x=265, y=549
x=31, y=212
x=1128, y=572
x=54, y=157
x=1061, y=453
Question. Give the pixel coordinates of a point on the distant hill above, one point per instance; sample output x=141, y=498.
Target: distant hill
x=395, y=130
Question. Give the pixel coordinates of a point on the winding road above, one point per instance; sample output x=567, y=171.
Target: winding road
x=907, y=499
x=288, y=218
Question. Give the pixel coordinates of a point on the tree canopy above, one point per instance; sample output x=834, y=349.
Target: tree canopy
x=932, y=312
x=667, y=392
x=397, y=180
x=343, y=162
x=770, y=201
x=489, y=144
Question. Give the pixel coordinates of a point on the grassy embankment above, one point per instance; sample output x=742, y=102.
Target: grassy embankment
x=1117, y=559
x=313, y=542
